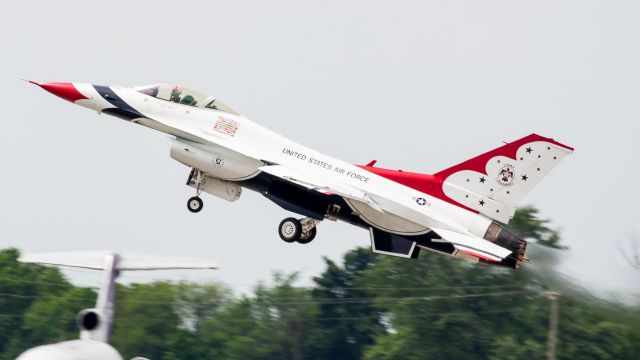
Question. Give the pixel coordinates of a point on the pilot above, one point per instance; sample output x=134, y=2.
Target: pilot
x=188, y=100
x=175, y=94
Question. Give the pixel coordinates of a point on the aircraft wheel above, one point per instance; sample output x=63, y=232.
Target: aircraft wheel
x=195, y=204
x=309, y=237
x=290, y=229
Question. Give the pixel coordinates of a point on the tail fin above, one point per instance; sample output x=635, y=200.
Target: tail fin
x=493, y=183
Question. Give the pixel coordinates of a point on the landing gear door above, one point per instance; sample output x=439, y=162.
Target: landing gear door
x=394, y=245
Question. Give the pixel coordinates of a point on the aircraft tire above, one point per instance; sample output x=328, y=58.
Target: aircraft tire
x=195, y=204
x=308, y=239
x=290, y=230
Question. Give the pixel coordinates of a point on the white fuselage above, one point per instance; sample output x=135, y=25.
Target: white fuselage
x=238, y=139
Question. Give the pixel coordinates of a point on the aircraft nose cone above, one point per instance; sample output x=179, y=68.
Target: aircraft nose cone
x=61, y=89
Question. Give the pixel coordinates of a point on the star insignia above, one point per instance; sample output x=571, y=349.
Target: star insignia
x=421, y=201
x=482, y=179
x=524, y=177
x=481, y=203
x=529, y=150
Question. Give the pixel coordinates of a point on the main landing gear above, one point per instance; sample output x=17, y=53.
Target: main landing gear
x=302, y=231
x=195, y=204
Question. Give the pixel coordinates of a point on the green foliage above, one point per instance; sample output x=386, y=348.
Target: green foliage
x=366, y=307
x=335, y=337
x=508, y=348
x=145, y=319
x=52, y=319
x=526, y=223
x=32, y=298
x=435, y=302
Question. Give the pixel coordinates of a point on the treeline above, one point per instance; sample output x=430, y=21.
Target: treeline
x=367, y=307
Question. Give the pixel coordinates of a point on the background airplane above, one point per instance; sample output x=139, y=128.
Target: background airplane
x=95, y=324
x=450, y=212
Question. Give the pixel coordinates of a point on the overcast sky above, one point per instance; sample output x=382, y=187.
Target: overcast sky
x=418, y=86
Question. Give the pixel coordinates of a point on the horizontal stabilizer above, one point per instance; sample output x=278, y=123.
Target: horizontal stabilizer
x=477, y=254
x=126, y=261
x=473, y=245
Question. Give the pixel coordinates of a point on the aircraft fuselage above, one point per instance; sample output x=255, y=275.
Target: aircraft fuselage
x=228, y=152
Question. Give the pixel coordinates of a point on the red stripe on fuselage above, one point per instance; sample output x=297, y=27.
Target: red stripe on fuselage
x=428, y=184
x=432, y=184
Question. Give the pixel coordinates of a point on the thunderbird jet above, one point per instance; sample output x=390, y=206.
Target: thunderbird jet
x=456, y=211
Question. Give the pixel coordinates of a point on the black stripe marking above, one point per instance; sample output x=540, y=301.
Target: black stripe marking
x=122, y=110
x=122, y=114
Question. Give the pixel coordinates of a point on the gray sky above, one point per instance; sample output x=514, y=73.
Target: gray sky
x=418, y=86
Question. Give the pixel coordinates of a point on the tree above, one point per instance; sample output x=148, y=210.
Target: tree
x=145, y=320
x=436, y=302
x=284, y=311
x=32, y=295
x=273, y=323
x=631, y=252
x=439, y=307
x=508, y=348
x=344, y=328
x=368, y=307
x=527, y=224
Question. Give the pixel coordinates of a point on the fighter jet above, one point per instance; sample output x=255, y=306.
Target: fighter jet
x=456, y=211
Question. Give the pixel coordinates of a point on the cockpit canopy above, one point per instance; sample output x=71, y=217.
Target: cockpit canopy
x=184, y=95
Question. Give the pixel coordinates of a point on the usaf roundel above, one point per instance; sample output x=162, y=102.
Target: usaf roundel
x=506, y=175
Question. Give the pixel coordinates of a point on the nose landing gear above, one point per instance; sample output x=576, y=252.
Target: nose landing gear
x=302, y=231
x=195, y=204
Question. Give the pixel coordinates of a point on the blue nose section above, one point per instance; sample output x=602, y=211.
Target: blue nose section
x=121, y=109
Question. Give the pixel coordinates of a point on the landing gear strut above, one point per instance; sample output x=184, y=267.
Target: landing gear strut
x=195, y=204
x=303, y=231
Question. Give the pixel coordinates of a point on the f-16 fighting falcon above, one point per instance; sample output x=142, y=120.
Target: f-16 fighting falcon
x=455, y=211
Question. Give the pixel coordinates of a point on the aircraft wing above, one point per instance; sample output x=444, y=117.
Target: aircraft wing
x=127, y=261
x=321, y=185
